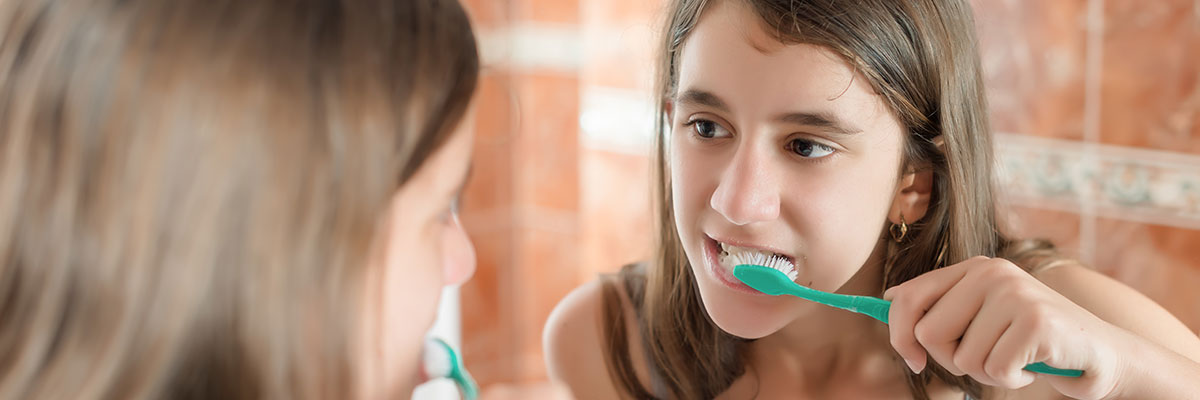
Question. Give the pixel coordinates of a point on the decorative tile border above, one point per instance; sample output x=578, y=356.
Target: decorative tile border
x=1147, y=186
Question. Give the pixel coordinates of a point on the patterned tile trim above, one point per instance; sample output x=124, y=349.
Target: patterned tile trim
x=1147, y=186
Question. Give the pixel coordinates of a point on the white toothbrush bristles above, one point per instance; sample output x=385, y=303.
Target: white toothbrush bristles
x=436, y=360
x=774, y=262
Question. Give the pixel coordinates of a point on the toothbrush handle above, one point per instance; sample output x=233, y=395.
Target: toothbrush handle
x=872, y=306
x=878, y=308
x=1042, y=368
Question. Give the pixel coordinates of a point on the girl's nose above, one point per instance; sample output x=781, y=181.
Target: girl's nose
x=458, y=253
x=747, y=192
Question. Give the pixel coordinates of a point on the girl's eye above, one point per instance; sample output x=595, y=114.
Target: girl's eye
x=809, y=149
x=708, y=129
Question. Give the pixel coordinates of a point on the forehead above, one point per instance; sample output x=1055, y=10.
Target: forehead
x=730, y=54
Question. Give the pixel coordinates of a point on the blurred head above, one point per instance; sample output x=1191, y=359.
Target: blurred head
x=806, y=129
x=228, y=198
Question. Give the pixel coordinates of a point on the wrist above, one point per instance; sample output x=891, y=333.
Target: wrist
x=1147, y=370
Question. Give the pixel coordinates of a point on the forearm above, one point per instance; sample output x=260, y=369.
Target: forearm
x=1157, y=372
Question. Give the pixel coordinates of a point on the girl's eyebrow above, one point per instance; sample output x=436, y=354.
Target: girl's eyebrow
x=823, y=120
x=818, y=119
x=702, y=98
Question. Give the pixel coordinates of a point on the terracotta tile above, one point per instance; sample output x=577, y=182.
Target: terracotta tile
x=1060, y=227
x=548, y=261
x=548, y=141
x=1161, y=262
x=617, y=226
x=540, y=389
x=490, y=185
x=552, y=11
x=487, y=13
x=487, y=304
x=495, y=107
x=621, y=10
x=619, y=55
x=1034, y=56
x=1150, y=94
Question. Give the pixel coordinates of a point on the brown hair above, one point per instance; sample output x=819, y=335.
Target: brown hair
x=921, y=57
x=190, y=190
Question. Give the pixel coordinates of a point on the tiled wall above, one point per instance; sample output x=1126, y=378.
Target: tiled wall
x=1094, y=101
x=1096, y=107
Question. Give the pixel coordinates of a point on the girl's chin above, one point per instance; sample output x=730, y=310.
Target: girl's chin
x=741, y=319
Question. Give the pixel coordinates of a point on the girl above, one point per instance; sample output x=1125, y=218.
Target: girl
x=227, y=199
x=850, y=138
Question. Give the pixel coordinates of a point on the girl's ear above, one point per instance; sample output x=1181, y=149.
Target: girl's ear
x=912, y=196
x=669, y=109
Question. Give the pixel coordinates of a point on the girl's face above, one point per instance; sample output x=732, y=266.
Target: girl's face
x=776, y=148
x=425, y=249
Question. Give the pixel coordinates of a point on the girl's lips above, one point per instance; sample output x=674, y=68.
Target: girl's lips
x=722, y=275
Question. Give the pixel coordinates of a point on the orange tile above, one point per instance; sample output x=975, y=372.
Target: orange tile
x=487, y=303
x=551, y=11
x=619, y=55
x=1034, y=57
x=1060, y=227
x=1161, y=262
x=541, y=389
x=548, y=261
x=490, y=186
x=1150, y=94
x=487, y=13
x=548, y=140
x=617, y=227
x=495, y=114
x=621, y=10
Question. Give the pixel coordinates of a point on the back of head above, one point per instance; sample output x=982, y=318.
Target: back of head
x=190, y=189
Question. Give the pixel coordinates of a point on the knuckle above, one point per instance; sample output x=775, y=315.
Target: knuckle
x=994, y=370
x=967, y=363
x=924, y=333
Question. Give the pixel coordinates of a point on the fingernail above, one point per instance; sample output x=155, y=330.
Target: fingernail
x=911, y=367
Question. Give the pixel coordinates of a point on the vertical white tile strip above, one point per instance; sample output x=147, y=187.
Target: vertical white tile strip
x=1091, y=127
x=617, y=120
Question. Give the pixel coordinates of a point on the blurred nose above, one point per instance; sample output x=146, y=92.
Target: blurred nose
x=459, y=254
x=747, y=192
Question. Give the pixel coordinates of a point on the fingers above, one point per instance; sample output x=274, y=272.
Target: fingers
x=978, y=341
x=1006, y=362
x=940, y=330
x=910, y=301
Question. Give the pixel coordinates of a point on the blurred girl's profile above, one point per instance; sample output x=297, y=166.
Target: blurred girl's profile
x=228, y=199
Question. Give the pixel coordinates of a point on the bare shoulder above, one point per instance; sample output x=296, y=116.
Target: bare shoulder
x=1122, y=306
x=575, y=346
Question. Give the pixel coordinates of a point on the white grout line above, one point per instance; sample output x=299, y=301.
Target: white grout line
x=1091, y=125
x=554, y=47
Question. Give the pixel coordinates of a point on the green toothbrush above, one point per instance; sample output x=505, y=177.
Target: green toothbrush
x=441, y=361
x=772, y=280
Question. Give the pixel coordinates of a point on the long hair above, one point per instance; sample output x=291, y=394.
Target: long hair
x=190, y=189
x=922, y=58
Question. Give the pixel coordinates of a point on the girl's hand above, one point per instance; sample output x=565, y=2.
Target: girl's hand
x=987, y=318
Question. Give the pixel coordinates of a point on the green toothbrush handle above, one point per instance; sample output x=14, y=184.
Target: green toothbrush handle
x=878, y=308
x=1042, y=368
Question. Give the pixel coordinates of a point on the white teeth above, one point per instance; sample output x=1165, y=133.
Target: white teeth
x=732, y=256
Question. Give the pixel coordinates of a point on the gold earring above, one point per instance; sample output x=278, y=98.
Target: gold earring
x=902, y=229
